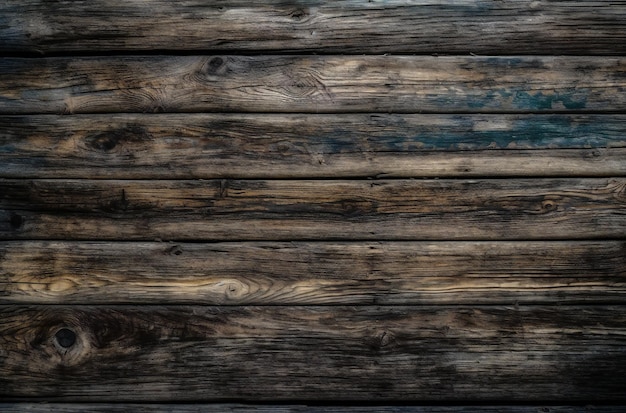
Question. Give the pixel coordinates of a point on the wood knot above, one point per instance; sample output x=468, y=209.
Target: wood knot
x=233, y=290
x=357, y=208
x=215, y=63
x=65, y=337
x=381, y=340
x=109, y=140
x=16, y=221
x=174, y=250
x=548, y=206
x=298, y=15
x=617, y=188
x=215, y=66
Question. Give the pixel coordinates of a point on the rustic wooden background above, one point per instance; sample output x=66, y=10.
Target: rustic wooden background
x=313, y=205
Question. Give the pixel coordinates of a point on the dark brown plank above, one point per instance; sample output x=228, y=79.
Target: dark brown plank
x=149, y=353
x=260, y=408
x=312, y=84
x=425, y=26
x=482, y=209
x=62, y=272
x=208, y=146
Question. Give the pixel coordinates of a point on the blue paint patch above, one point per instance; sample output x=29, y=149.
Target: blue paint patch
x=504, y=61
x=466, y=132
x=7, y=149
x=574, y=99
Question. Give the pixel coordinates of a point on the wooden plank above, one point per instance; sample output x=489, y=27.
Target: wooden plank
x=264, y=408
x=234, y=210
x=312, y=84
x=62, y=272
x=156, y=353
x=208, y=146
x=424, y=26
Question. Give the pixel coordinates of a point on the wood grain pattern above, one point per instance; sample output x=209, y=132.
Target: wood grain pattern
x=390, y=273
x=158, y=353
x=311, y=84
x=344, y=26
x=222, y=145
x=306, y=210
x=260, y=408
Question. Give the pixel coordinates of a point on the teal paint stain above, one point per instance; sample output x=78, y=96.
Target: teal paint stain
x=503, y=61
x=7, y=149
x=574, y=99
x=467, y=132
x=491, y=99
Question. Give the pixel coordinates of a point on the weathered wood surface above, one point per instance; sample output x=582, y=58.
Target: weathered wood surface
x=247, y=408
x=344, y=26
x=312, y=84
x=199, y=353
x=304, y=209
x=390, y=273
x=207, y=146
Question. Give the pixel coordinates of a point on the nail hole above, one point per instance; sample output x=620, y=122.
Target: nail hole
x=65, y=337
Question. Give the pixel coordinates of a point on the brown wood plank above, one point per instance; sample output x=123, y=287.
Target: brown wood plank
x=425, y=26
x=157, y=353
x=306, y=210
x=264, y=408
x=208, y=146
x=312, y=84
x=62, y=272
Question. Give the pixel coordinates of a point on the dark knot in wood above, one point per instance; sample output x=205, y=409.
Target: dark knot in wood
x=65, y=337
x=215, y=66
x=109, y=140
x=16, y=221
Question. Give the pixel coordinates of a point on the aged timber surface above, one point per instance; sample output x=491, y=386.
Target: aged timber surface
x=64, y=272
x=307, y=209
x=312, y=84
x=157, y=353
x=145, y=146
x=344, y=26
x=260, y=408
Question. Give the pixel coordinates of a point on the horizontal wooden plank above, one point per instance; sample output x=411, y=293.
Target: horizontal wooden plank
x=265, y=408
x=424, y=26
x=62, y=272
x=156, y=353
x=166, y=146
x=311, y=84
x=306, y=210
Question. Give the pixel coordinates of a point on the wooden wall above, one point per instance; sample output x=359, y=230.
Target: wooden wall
x=313, y=205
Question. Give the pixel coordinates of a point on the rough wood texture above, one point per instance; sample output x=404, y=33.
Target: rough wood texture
x=388, y=273
x=241, y=408
x=424, y=26
x=398, y=353
x=314, y=146
x=299, y=209
x=312, y=84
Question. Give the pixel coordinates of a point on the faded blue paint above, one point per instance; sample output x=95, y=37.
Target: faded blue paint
x=571, y=99
x=490, y=99
x=536, y=132
x=7, y=149
x=503, y=61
